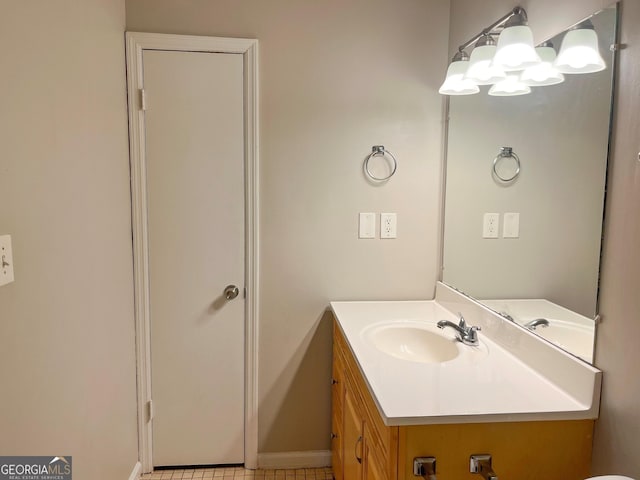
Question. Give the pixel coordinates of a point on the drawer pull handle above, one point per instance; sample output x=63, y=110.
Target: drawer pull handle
x=359, y=459
x=334, y=381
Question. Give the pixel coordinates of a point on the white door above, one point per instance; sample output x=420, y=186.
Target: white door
x=194, y=131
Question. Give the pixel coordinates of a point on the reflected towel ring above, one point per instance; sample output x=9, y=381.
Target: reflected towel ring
x=506, y=152
x=379, y=150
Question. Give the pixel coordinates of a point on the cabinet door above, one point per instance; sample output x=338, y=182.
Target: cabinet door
x=337, y=416
x=372, y=465
x=352, y=439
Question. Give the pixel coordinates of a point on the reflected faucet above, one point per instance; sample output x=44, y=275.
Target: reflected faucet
x=507, y=316
x=467, y=335
x=533, y=324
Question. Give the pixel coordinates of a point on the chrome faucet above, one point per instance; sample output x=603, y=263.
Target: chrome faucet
x=536, y=323
x=507, y=316
x=467, y=335
x=481, y=464
x=425, y=467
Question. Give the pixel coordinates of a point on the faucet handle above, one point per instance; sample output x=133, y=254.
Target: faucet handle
x=472, y=334
x=463, y=323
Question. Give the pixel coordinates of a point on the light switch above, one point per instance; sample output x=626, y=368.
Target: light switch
x=6, y=260
x=511, y=225
x=367, y=225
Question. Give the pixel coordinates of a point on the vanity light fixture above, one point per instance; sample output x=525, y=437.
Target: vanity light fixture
x=464, y=76
x=512, y=65
x=455, y=83
x=481, y=70
x=579, y=52
x=509, y=87
x=544, y=73
x=515, y=50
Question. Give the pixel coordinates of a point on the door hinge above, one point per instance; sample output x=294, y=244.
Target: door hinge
x=150, y=410
x=143, y=100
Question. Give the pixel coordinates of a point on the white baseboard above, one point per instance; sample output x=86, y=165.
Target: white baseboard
x=307, y=459
x=136, y=472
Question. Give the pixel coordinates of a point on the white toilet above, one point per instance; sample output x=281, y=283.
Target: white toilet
x=610, y=477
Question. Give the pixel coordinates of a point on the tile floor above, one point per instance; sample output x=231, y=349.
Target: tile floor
x=240, y=473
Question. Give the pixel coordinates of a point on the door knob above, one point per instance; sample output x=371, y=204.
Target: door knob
x=231, y=292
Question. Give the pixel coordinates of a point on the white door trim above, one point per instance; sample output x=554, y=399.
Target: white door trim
x=135, y=44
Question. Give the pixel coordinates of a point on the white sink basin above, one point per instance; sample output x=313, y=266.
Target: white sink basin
x=412, y=341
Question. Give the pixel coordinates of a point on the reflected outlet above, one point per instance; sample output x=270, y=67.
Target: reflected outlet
x=490, y=225
x=511, y=225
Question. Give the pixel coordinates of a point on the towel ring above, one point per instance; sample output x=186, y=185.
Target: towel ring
x=506, y=152
x=379, y=150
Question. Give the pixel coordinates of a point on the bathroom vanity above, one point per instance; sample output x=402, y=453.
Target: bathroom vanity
x=525, y=402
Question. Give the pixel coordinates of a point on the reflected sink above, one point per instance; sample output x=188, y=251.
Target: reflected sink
x=576, y=339
x=413, y=341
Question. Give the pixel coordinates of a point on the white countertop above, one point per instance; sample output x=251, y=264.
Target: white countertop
x=482, y=384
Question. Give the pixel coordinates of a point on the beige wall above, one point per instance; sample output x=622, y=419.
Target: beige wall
x=616, y=347
x=617, y=353
x=67, y=357
x=335, y=78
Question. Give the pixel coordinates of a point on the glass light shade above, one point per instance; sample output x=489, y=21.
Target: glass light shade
x=544, y=73
x=579, y=52
x=509, y=87
x=455, y=83
x=515, y=49
x=481, y=70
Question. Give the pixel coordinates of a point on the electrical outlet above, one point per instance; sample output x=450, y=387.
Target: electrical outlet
x=490, y=225
x=367, y=225
x=388, y=225
x=6, y=260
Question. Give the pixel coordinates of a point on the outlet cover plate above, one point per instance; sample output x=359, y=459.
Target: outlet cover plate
x=6, y=260
x=388, y=225
x=490, y=225
x=511, y=225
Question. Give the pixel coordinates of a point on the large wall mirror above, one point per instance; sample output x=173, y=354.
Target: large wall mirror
x=542, y=269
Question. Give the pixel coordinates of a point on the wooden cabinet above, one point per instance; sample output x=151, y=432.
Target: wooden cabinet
x=353, y=438
x=364, y=448
x=337, y=414
x=373, y=470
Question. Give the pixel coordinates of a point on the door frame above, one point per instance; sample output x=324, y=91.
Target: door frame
x=136, y=43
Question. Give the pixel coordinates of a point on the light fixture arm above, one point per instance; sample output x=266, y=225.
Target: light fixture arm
x=490, y=29
x=584, y=25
